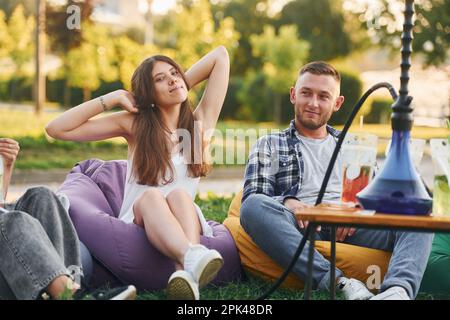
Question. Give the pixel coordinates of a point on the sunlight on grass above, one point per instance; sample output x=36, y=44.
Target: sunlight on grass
x=16, y=124
x=21, y=123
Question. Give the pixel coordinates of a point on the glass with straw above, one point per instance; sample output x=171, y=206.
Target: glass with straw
x=440, y=151
x=359, y=152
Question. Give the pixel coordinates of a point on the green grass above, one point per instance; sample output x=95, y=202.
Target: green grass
x=248, y=289
x=251, y=288
x=41, y=153
x=214, y=207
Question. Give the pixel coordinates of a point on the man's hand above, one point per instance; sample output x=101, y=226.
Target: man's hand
x=295, y=205
x=343, y=232
x=9, y=149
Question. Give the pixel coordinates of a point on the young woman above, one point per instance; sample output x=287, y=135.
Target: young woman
x=164, y=164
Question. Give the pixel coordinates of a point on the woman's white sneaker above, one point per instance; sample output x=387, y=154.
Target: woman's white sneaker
x=182, y=286
x=202, y=263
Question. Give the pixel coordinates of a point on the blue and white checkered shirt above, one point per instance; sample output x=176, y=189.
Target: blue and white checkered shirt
x=275, y=165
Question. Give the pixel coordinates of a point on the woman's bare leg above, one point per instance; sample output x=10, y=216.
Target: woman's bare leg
x=183, y=209
x=162, y=228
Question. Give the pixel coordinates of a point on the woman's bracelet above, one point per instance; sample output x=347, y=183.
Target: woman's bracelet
x=102, y=101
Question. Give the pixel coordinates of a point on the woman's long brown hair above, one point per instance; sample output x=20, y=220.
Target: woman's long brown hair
x=151, y=155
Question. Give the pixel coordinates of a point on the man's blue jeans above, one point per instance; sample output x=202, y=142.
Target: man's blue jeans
x=275, y=230
x=37, y=243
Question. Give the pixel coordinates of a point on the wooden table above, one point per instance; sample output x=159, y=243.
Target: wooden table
x=340, y=215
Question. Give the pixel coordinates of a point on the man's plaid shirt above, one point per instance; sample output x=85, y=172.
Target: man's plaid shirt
x=275, y=165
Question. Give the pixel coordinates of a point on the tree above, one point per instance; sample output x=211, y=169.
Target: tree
x=6, y=41
x=39, y=82
x=128, y=56
x=8, y=6
x=6, y=45
x=190, y=32
x=63, y=39
x=282, y=54
x=384, y=20
x=92, y=61
x=322, y=24
x=21, y=31
x=255, y=98
x=194, y=32
x=82, y=70
x=250, y=16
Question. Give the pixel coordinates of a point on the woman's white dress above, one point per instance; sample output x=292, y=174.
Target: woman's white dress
x=181, y=180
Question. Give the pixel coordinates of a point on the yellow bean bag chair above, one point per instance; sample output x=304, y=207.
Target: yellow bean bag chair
x=353, y=261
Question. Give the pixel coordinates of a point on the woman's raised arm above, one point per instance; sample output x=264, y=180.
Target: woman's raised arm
x=76, y=124
x=214, y=66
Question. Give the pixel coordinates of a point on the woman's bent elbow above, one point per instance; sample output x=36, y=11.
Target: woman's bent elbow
x=51, y=131
x=223, y=52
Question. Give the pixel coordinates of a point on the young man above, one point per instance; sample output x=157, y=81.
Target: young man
x=284, y=173
x=39, y=248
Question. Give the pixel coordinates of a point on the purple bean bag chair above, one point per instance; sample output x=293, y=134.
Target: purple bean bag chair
x=123, y=253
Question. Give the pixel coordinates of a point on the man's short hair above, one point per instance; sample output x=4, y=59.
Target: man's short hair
x=320, y=68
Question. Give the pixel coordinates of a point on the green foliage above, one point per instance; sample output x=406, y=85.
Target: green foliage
x=232, y=104
x=8, y=6
x=250, y=16
x=351, y=89
x=128, y=56
x=6, y=41
x=16, y=88
x=255, y=98
x=21, y=32
x=93, y=60
x=281, y=55
x=62, y=39
x=214, y=207
x=380, y=111
x=321, y=23
x=82, y=69
x=431, y=31
x=195, y=33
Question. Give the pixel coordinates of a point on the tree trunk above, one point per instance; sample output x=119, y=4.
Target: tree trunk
x=86, y=94
x=40, y=56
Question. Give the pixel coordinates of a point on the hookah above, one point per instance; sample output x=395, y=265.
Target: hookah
x=397, y=188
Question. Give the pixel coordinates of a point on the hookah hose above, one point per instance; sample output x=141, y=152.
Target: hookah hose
x=308, y=230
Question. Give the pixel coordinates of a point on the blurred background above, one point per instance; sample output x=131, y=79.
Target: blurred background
x=56, y=54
